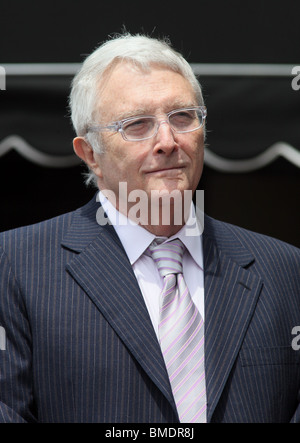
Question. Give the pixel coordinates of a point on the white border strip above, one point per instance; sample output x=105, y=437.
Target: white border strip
x=241, y=70
x=19, y=69
x=208, y=69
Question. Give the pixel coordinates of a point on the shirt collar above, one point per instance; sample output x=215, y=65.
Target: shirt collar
x=191, y=236
x=136, y=239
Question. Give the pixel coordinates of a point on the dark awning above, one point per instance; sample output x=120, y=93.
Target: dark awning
x=253, y=116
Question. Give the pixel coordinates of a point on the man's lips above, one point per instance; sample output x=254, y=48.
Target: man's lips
x=166, y=169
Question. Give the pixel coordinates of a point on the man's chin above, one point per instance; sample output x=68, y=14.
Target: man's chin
x=168, y=185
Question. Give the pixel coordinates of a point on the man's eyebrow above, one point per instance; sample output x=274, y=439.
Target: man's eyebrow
x=182, y=104
x=129, y=114
x=137, y=112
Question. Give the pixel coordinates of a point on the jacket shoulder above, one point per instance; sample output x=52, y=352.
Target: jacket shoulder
x=276, y=261
x=56, y=224
x=223, y=233
x=52, y=229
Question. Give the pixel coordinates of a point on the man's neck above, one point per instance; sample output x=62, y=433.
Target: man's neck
x=162, y=218
x=163, y=230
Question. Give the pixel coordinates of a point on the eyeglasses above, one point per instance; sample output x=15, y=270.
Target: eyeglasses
x=146, y=126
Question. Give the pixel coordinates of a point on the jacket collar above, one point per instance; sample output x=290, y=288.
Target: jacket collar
x=224, y=237
x=87, y=224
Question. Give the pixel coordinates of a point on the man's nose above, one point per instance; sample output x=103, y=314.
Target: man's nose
x=165, y=141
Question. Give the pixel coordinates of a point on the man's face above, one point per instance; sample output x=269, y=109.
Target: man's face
x=168, y=161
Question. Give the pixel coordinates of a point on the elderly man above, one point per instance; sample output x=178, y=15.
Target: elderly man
x=119, y=312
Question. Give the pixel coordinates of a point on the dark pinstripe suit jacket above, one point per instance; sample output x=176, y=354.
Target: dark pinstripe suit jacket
x=80, y=346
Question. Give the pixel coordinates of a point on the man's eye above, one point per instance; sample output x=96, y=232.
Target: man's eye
x=142, y=124
x=182, y=118
x=184, y=115
x=136, y=123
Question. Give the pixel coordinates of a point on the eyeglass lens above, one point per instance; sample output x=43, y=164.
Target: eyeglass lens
x=145, y=127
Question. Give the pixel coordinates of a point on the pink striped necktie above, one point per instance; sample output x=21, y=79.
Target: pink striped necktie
x=181, y=333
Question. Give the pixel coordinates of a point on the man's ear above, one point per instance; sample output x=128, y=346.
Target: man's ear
x=84, y=151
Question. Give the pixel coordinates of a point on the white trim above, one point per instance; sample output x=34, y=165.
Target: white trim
x=32, y=154
x=205, y=69
x=280, y=149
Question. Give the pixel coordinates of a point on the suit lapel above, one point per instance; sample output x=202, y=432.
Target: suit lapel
x=231, y=294
x=104, y=272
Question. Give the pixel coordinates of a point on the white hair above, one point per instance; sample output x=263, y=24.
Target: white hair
x=141, y=50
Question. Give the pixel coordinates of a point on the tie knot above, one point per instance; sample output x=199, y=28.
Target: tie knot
x=168, y=257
